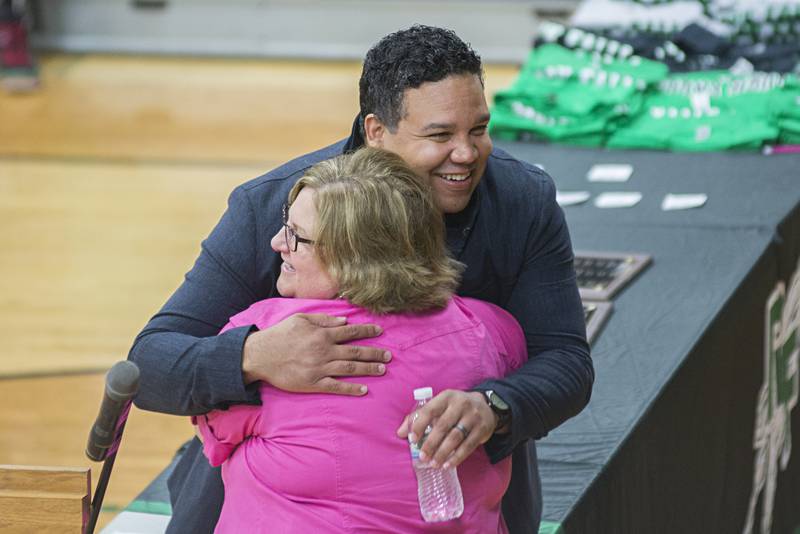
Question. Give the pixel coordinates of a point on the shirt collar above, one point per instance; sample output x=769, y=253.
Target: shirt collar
x=459, y=225
x=356, y=140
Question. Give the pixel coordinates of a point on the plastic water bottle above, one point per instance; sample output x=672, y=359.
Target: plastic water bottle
x=439, y=491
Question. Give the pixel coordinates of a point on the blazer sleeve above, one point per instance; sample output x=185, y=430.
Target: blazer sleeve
x=186, y=368
x=555, y=382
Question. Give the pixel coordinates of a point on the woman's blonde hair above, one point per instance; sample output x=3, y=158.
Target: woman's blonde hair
x=379, y=232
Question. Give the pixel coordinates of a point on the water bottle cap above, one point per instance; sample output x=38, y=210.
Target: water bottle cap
x=423, y=393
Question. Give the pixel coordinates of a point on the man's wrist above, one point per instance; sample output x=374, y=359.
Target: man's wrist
x=500, y=409
x=503, y=427
x=248, y=351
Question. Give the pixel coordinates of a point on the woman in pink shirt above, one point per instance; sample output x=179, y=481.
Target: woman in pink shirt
x=362, y=239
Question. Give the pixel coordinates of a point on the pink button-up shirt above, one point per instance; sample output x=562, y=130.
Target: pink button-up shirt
x=311, y=463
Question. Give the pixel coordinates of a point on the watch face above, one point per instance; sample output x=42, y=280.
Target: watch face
x=496, y=402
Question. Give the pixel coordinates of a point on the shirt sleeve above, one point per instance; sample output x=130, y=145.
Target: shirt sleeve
x=186, y=368
x=555, y=382
x=505, y=332
x=513, y=342
x=223, y=431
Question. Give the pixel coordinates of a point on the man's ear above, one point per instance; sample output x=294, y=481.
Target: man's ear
x=374, y=131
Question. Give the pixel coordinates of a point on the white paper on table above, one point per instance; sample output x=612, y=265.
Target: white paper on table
x=570, y=198
x=673, y=201
x=610, y=172
x=620, y=199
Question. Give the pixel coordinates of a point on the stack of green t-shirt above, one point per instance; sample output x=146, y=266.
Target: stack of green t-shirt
x=586, y=98
x=714, y=110
x=572, y=96
x=788, y=116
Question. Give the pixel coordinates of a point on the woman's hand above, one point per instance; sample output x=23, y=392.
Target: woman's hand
x=304, y=353
x=460, y=422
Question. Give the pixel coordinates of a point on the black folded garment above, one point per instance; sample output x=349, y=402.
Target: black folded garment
x=695, y=39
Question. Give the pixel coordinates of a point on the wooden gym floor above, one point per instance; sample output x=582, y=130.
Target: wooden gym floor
x=110, y=176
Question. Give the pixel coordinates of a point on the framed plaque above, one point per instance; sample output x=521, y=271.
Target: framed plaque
x=595, y=313
x=602, y=274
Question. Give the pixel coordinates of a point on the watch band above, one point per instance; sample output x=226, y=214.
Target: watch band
x=499, y=407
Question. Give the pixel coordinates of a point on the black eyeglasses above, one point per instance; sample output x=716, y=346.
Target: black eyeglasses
x=292, y=239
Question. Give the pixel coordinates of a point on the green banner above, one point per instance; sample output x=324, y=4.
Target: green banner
x=548, y=527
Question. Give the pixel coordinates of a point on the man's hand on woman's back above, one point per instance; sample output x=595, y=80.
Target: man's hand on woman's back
x=305, y=353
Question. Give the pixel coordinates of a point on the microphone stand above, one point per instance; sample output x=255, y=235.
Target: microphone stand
x=100, y=492
x=105, y=474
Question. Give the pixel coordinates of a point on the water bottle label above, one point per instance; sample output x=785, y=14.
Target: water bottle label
x=414, y=451
x=415, y=447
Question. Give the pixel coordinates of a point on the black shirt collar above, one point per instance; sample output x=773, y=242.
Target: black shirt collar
x=459, y=225
x=356, y=140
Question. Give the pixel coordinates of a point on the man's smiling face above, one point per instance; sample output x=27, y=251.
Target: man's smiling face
x=442, y=136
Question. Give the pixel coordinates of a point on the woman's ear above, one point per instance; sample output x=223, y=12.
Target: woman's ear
x=373, y=131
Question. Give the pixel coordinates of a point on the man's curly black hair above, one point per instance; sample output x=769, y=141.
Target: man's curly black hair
x=405, y=60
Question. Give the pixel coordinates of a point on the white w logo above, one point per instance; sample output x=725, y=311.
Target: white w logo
x=772, y=437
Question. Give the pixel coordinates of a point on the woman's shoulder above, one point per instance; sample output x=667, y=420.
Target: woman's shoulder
x=500, y=325
x=484, y=311
x=268, y=312
x=400, y=329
